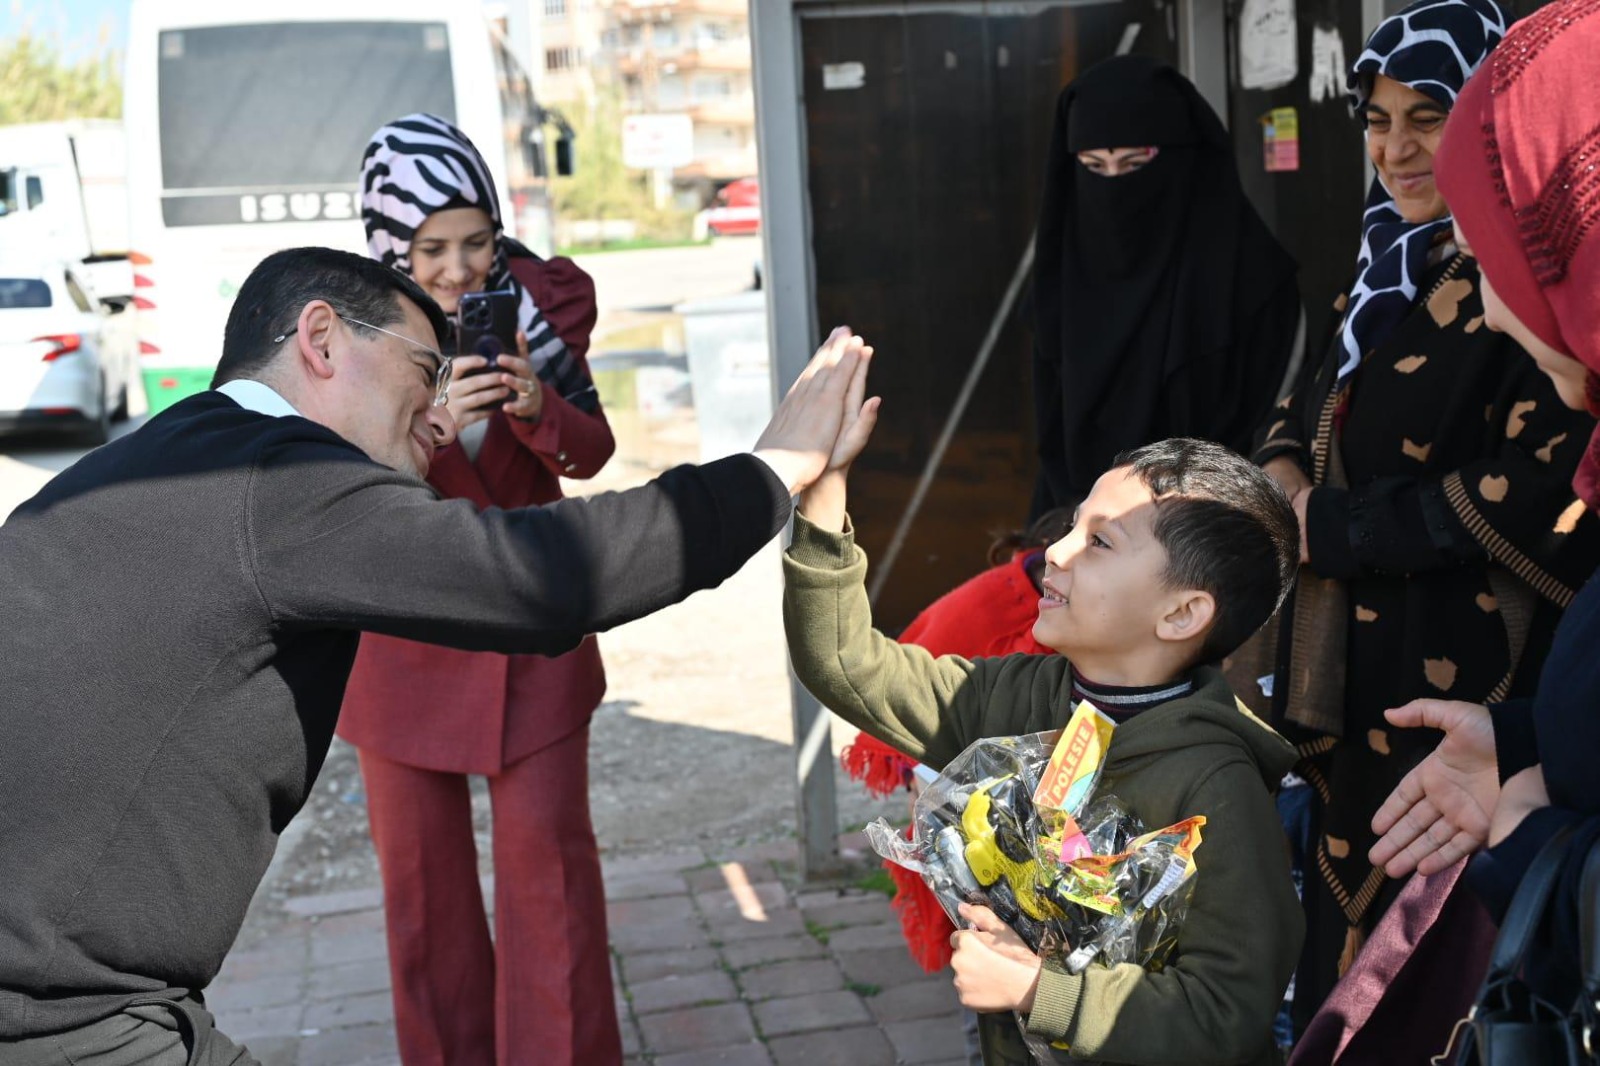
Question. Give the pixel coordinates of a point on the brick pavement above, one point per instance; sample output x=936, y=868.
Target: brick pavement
x=718, y=959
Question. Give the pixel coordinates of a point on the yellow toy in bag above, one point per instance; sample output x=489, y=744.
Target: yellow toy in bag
x=1070, y=777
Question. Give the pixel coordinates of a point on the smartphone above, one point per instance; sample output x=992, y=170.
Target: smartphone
x=486, y=325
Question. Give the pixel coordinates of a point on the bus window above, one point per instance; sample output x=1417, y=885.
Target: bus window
x=266, y=123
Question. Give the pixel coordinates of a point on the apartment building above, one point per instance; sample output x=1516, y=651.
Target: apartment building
x=569, y=35
x=689, y=56
x=663, y=56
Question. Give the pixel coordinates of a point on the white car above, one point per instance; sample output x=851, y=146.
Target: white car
x=65, y=357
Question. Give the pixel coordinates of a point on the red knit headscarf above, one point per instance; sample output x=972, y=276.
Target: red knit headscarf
x=1520, y=169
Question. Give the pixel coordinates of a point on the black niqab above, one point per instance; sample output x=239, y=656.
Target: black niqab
x=1163, y=305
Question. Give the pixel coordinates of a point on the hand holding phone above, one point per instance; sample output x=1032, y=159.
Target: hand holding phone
x=486, y=325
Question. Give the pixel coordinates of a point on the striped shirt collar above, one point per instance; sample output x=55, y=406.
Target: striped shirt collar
x=1124, y=702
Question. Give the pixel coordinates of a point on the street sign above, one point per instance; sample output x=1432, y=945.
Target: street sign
x=657, y=142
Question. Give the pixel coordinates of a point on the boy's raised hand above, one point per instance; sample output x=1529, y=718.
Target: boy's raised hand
x=860, y=416
x=800, y=439
x=995, y=970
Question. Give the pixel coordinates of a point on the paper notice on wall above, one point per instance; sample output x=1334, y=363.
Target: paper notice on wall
x=1327, y=64
x=1280, y=139
x=843, y=76
x=1267, y=48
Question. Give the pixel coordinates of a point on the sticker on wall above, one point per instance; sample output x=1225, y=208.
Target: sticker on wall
x=1267, y=54
x=1280, y=139
x=1327, y=64
x=844, y=75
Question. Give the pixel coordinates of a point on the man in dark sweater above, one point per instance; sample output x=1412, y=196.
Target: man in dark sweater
x=183, y=605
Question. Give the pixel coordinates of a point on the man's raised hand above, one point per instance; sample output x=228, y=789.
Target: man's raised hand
x=800, y=440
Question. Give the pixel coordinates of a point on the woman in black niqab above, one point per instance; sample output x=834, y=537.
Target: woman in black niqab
x=1164, y=307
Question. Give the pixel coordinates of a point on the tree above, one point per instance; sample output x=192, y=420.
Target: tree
x=38, y=85
x=601, y=187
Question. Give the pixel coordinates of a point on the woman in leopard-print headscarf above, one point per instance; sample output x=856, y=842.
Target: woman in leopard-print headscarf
x=1430, y=464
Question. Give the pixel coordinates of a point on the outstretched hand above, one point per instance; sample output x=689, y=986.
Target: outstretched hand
x=1443, y=808
x=800, y=440
x=995, y=970
x=860, y=416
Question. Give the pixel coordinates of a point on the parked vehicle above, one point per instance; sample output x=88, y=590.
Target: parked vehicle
x=64, y=194
x=66, y=357
x=734, y=211
x=245, y=131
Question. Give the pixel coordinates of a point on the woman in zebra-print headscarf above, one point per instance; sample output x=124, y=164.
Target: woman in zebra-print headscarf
x=1430, y=464
x=424, y=717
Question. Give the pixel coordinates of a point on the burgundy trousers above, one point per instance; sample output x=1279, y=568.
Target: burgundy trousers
x=541, y=991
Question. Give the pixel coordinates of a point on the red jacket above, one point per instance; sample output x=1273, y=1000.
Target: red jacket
x=478, y=712
x=990, y=614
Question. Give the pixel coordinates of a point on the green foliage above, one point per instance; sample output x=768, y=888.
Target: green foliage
x=634, y=245
x=38, y=85
x=878, y=880
x=602, y=188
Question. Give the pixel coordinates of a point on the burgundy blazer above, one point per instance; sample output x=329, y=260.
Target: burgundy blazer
x=478, y=712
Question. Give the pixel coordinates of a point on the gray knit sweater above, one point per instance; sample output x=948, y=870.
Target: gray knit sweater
x=181, y=609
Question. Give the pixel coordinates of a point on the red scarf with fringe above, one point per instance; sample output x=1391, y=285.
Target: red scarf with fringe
x=991, y=614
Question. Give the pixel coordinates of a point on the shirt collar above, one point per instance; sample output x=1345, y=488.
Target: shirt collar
x=260, y=398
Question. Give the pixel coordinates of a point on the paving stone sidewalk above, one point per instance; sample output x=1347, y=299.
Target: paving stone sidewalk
x=717, y=959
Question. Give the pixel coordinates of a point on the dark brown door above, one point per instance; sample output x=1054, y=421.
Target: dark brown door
x=926, y=136
x=1315, y=209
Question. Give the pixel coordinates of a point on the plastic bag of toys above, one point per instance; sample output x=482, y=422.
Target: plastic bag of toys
x=1015, y=824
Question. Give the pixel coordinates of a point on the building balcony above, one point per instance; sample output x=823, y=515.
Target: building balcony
x=725, y=55
x=732, y=111
x=626, y=11
x=721, y=166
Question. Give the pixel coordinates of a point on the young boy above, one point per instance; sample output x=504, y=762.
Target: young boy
x=1182, y=551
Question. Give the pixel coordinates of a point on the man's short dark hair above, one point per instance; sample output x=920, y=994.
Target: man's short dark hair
x=1227, y=529
x=271, y=299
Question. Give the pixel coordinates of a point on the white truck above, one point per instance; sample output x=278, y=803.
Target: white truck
x=64, y=195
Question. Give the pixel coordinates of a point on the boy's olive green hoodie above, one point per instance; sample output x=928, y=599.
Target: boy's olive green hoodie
x=1200, y=754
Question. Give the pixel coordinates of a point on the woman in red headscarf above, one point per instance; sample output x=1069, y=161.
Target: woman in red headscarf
x=1520, y=169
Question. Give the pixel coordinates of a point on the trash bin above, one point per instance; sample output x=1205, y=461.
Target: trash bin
x=729, y=370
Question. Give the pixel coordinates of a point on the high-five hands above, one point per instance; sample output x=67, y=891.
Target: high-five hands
x=807, y=429
x=860, y=416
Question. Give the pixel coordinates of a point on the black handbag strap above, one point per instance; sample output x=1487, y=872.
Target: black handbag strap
x=1527, y=908
x=1588, y=1006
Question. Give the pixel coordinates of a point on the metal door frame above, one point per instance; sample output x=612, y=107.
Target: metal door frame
x=789, y=273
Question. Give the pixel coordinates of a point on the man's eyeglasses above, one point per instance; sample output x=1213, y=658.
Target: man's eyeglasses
x=442, y=372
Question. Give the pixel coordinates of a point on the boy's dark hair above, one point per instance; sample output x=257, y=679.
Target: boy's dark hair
x=1227, y=529
x=272, y=297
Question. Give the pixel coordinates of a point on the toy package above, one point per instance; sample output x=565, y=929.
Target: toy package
x=1016, y=824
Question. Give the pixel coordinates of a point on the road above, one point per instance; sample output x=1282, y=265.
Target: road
x=632, y=287
x=657, y=278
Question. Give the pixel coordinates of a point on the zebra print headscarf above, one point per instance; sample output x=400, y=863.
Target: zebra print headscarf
x=1433, y=46
x=420, y=164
